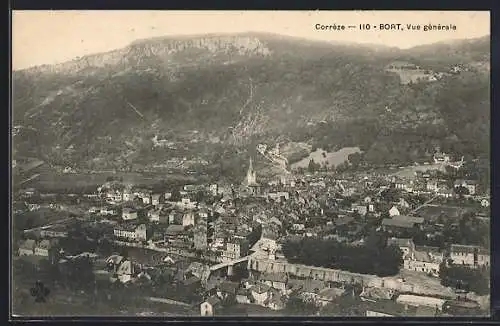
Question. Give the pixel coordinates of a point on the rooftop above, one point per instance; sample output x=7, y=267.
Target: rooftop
x=274, y=277
x=416, y=220
x=174, y=229
x=400, y=242
x=397, y=223
x=213, y=301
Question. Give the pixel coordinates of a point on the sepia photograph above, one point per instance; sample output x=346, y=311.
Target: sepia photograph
x=250, y=163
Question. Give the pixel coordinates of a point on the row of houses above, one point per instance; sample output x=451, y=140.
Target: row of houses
x=429, y=259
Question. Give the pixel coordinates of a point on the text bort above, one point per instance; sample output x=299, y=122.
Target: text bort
x=390, y=27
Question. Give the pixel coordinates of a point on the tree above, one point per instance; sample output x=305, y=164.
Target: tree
x=176, y=195
x=379, y=260
x=476, y=280
x=312, y=167
x=461, y=191
x=296, y=306
x=355, y=159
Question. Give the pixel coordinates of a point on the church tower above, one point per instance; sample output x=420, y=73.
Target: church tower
x=251, y=175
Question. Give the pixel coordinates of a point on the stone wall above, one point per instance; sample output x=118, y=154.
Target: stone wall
x=262, y=264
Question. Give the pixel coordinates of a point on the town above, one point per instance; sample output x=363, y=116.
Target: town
x=327, y=243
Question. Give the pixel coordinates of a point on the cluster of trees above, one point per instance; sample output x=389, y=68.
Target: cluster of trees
x=297, y=307
x=313, y=166
x=375, y=258
x=468, y=230
x=464, y=278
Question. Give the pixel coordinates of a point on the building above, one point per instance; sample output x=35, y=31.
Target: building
x=417, y=300
x=362, y=210
x=128, y=195
x=483, y=257
x=235, y=248
x=470, y=185
x=260, y=293
x=108, y=211
x=278, y=281
x=276, y=301
x=188, y=218
x=329, y=295
x=279, y=196
x=405, y=245
x=421, y=261
x=53, y=234
x=157, y=216
x=210, y=306
x=43, y=248
x=396, y=225
x=174, y=233
x=394, y=211
x=157, y=199
x=187, y=203
x=251, y=179
x=146, y=198
x=129, y=214
x=472, y=256
x=27, y=248
x=310, y=289
x=251, y=174
x=214, y=189
x=131, y=232
x=432, y=186
x=227, y=290
x=388, y=308
x=243, y=296
x=200, y=235
x=416, y=220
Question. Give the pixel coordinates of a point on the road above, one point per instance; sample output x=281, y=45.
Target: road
x=424, y=204
x=50, y=225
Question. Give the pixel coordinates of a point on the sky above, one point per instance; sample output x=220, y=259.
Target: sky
x=49, y=37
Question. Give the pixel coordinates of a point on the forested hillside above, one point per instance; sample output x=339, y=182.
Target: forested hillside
x=215, y=94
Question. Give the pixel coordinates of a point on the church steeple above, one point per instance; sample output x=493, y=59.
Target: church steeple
x=251, y=175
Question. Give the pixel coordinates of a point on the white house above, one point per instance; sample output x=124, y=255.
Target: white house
x=405, y=245
x=485, y=202
x=432, y=186
x=188, y=219
x=208, y=308
x=131, y=232
x=42, y=248
x=260, y=293
x=417, y=300
x=421, y=261
x=394, y=211
x=463, y=254
x=128, y=195
x=157, y=199
x=129, y=214
x=27, y=248
x=483, y=257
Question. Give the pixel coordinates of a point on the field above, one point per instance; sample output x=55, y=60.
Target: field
x=409, y=171
x=56, y=181
x=333, y=159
